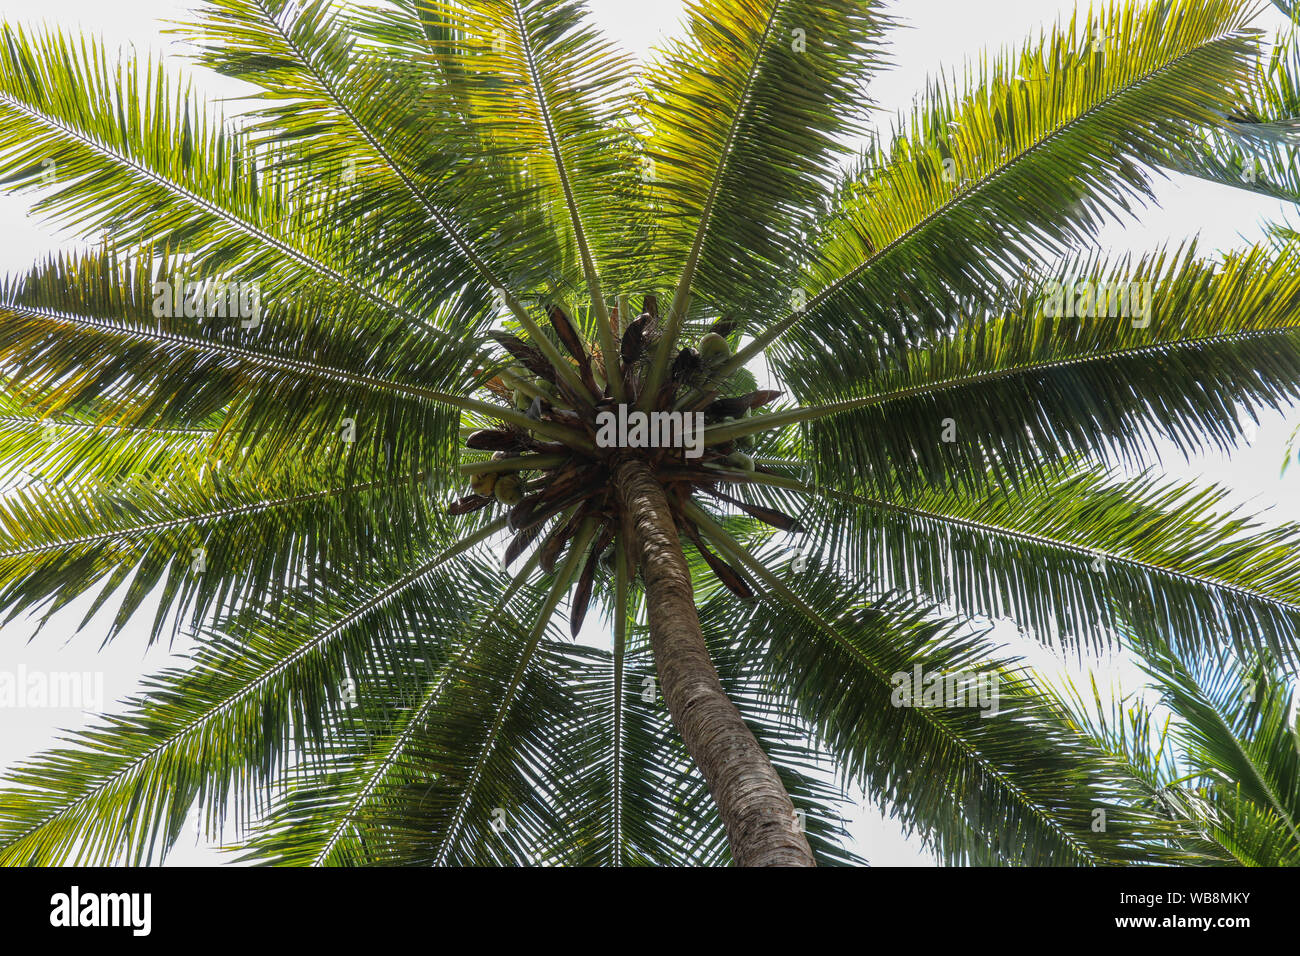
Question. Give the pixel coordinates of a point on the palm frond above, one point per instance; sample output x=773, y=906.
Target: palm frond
x=745, y=116
x=559, y=105
x=1169, y=348
x=1022, y=161
x=1236, y=726
x=1017, y=786
x=261, y=692
x=122, y=149
x=71, y=449
x=1255, y=145
x=337, y=101
x=1071, y=559
x=201, y=539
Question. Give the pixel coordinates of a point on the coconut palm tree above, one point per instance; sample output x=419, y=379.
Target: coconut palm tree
x=331, y=392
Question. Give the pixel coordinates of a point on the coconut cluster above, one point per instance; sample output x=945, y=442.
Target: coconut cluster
x=507, y=488
x=551, y=476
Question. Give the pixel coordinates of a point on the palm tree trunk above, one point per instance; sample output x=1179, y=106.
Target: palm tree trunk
x=757, y=811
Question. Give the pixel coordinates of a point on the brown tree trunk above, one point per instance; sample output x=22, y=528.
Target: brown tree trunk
x=760, y=819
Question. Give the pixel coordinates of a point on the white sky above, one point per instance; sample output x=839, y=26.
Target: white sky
x=941, y=33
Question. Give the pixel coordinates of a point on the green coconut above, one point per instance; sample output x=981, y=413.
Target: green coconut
x=483, y=483
x=714, y=348
x=741, y=441
x=509, y=489
x=740, y=461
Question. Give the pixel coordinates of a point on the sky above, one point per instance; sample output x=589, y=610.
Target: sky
x=936, y=34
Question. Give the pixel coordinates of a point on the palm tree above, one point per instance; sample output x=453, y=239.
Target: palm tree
x=332, y=386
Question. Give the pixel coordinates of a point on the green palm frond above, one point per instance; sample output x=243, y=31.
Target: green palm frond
x=543, y=792
x=1256, y=145
x=258, y=696
x=291, y=376
x=1169, y=347
x=369, y=129
x=212, y=539
x=1129, y=728
x=68, y=449
x=121, y=148
x=745, y=113
x=1237, y=728
x=1027, y=157
x=1016, y=786
x=442, y=780
x=335, y=100
x=559, y=105
x=1226, y=759
x=1070, y=559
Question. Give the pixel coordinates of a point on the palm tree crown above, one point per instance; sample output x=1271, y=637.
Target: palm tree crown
x=454, y=334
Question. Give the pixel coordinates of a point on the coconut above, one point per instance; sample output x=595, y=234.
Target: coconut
x=522, y=399
x=714, y=348
x=740, y=461
x=483, y=483
x=740, y=441
x=509, y=489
